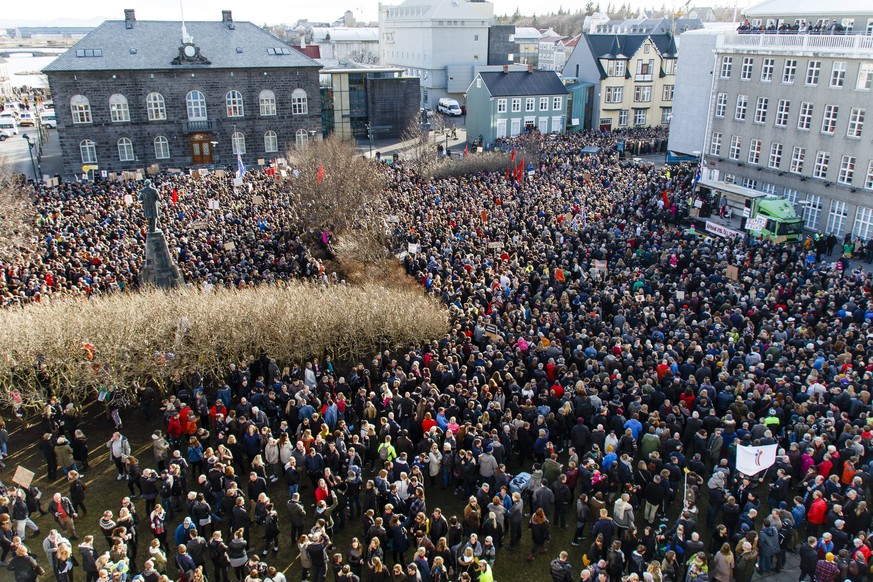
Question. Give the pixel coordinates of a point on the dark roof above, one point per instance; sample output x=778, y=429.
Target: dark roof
x=624, y=46
x=523, y=83
x=153, y=44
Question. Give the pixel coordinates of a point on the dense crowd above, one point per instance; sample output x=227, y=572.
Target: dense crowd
x=601, y=372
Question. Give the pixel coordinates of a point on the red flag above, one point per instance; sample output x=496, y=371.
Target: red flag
x=319, y=177
x=666, y=200
x=512, y=157
x=174, y=196
x=484, y=216
x=507, y=173
x=466, y=150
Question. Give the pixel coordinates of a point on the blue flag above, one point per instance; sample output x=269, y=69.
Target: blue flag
x=240, y=167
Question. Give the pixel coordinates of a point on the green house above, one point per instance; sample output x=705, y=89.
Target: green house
x=507, y=103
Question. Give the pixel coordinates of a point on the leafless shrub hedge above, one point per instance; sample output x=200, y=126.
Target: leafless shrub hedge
x=473, y=164
x=147, y=336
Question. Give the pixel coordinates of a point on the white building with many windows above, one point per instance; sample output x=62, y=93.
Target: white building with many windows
x=789, y=111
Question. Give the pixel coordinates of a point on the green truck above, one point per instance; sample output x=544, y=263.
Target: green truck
x=761, y=214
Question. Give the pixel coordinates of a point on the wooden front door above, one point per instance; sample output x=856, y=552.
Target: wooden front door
x=201, y=149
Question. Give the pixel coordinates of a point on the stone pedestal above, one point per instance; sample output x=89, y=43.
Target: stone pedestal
x=159, y=269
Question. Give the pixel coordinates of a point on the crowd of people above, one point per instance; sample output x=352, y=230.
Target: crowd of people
x=601, y=372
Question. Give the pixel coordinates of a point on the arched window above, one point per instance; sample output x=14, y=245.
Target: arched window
x=81, y=109
x=125, y=150
x=267, y=101
x=155, y=106
x=234, y=102
x=299, y=102
x=88, y=149
x=196, y=103
x=301, y=138
x=238, y=143
x=162, y=148
x=118, y=109
x=271, y=142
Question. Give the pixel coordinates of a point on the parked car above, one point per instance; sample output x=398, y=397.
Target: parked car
x=26, y=119
x=448, y=106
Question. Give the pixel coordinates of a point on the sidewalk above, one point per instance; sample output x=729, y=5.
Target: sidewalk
x=388, y=147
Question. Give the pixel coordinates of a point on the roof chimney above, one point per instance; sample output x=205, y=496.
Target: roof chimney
x=505, y=68
x=226, y=16
x=530, y=68
x=129, y=17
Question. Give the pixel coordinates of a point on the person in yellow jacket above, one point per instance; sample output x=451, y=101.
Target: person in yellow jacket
x=485, y=572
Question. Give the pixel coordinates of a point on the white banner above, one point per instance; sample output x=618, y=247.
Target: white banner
x=757, y=223
x=722, y=231
x=752, y=460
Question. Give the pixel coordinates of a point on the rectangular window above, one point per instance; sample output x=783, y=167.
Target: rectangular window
x=829, y=121
x=789, y=71
x=811, y=211
x=667, y=95
x=81, y=113
x=767, y=70
x=669, y=66
x=557, y=103
x=754, y=151
x=613, y=95
x=868, y=181
x=715, y=144
x=790, y=194
x=616, y=68
x=847, y=170
x=544, y=103
x=798, y=154
x=768, y=188
x=746, y=71
x=501, y=106
x=750, y=183
x=865, y=77
x=856, y=123
x=645, y=70
x=742, y=106
x=821, y=165
x=530, y=104
x=775, y=156
x=727, y=64
x=516, y=104
x=813, y=71
x=720, y=104
x=863, y=223
x=736, y=146
x=639, y=117
x=643, y=94
x=782, y=109
x=666, y=115
x=837, y=218
x=622, y=117
x=804, y=120
x=838, y=74
x=761, y=110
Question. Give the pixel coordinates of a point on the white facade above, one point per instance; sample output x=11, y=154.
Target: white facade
x=693, y=90
x=438, y=41
x=5, y=83
x=359, y=45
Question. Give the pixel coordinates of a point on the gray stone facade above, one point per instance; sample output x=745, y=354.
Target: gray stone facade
x=174, y=85
x=392, y=102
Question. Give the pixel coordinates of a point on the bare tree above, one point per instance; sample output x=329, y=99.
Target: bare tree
x=18, y=230
x=365, y=56
x=334, y=187
x=419, y=143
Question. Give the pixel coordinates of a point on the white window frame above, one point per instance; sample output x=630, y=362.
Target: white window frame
x=622, y=118
x=868, y=180
x=761, y=106
x=813, y=73
x=775, y=159
x=847, y=170
x=501, y=105
x=668, y=92
x=829, y=119
x=822, y=161
x=837, y=215
x=557, y=103
x=754, y=156
x=233, y=104
x=715, y=144
x=267, y=103
x=80, y=107
x=195, y=103
x=742, y=108
x=811, y=211
x=789, y=71
x=736, y=147
x=88, y=151
x=798, y=156
x=863, y=227
x=838, y=75
x=238, y=143
x=530, y=104
x=767, y=67
x=544, y=103
x=790, y=194
x=856, y=123
x=720, y=105
x=640, y=117
x=301, y=139
x=516, y=104
x=804, y=117
x=299, y=102
x=746, y=69
x=643, y=94
x=162, y=148
x=156, y=107
x=125, y=150
x=119, y=111
x=865, y=77
x=783, y=107
x=613, y=95
x=727, y=64
x=271, y=142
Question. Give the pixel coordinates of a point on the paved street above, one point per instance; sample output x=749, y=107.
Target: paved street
x=14, y=151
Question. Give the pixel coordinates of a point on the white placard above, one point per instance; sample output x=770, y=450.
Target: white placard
x=414, y=248
x=128, y=199
x=237, y=182
x=757, y=223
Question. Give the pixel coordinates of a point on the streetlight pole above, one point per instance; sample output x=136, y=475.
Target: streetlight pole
x=30, y=151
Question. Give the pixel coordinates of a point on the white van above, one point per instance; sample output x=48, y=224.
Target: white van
x=26, y=118
x=8, y=127
x=449, y=107
x=48, y=119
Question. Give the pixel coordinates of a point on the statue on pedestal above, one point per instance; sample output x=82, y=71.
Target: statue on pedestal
x=150, y=199
x=159, y=268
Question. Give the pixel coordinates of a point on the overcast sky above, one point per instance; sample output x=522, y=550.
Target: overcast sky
x=89, y=12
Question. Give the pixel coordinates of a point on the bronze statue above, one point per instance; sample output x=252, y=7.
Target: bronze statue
x=150, y=199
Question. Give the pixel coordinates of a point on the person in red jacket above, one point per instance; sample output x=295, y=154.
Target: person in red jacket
x=816, y=514
x=174, y=429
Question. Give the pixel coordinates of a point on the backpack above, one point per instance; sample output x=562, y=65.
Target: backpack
x=166, y=489
x=383, y=452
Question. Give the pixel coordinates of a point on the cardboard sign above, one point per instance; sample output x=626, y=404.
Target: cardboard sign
x=230, y=246
x=194, y=173
x=237, y=182
x=139, y=176
x=495, y=244
x=199, y=224
x=257, y=200
x=414, y=248
x=680, y=295
x=599, y=265
x=128, y=199
x=219, y=173
x=153, y=169
x=55, y=181
x=732, y=272
x=260, y=161
x=491, y=332
x=174, y=170
x=23, y=477
x=103, y=173
x=392, y=219
x=213, y=204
